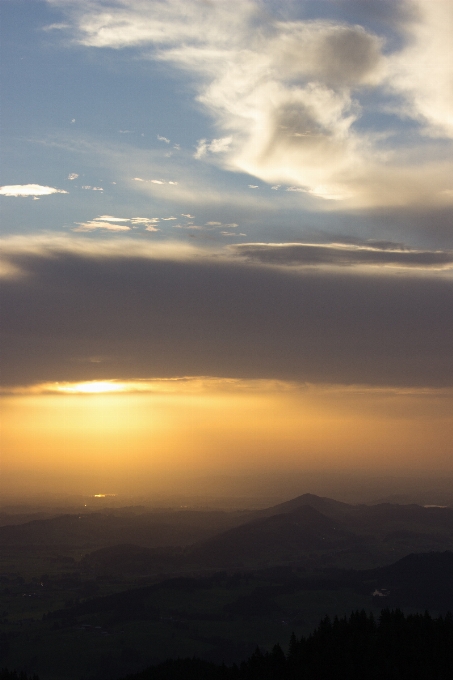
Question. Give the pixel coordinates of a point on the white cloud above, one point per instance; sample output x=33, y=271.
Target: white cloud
x=98, y=224
x=110, y=223
x=157, y=181
x=253, y=186
x=220, y=145
x=110, y=218
x=163, y=139
x=138, y=179
x=144, y=220
x=190, y=217
x=72, y=175
x=423, y=69
x=25, y=190
x=284, y=94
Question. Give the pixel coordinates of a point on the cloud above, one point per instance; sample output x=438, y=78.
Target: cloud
x=339, y=254
x=423, y=69
x=220, y=145
x=99, y=224
x=165, y=310
x=287, y=95
x=24, y=190
x=90, y=188
x=144, y=220
x=163, y=139
x=110, y=218
x=72, y=175
x=108, y=223
x=156, y=181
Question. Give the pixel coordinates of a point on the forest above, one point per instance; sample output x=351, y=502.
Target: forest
x=359, y=647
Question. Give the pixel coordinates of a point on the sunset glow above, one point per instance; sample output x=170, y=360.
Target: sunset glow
x=93, y=387
x=227, y=245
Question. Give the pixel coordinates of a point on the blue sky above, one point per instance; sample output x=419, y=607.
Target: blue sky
x=295, y=121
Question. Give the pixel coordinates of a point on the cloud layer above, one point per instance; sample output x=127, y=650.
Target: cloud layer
x=150, y=312
x=340, y=254
x=291, y=97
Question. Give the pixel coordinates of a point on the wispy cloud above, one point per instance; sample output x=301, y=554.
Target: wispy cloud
x=117, y=224
x=163, y=139
x=24, y=190
x=93, y=225
x=72, y=175
x=344, y=254
x=216, y=146
x=286, y=94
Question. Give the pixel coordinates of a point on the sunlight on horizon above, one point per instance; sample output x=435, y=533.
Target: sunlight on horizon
x=220, y=426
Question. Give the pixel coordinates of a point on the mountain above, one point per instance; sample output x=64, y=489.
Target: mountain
x=327, y=506
x=96, y=530
x=282, y=537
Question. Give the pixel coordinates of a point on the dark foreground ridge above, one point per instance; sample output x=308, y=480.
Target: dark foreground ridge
x=395, y=647
x=5, y=674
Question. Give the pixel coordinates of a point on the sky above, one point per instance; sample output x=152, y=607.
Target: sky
x=226, y=240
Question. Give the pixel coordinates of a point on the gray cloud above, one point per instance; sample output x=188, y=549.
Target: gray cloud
x=215, y=316
x=373, y=253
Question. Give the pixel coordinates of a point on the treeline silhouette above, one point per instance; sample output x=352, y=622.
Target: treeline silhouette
x=394, y=647
x=14, y=675
x=361, y=647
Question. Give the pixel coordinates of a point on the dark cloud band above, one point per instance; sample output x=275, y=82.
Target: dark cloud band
x=76, y=316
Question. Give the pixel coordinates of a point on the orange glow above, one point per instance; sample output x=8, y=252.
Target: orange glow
x=204, y=426
x=92, y=387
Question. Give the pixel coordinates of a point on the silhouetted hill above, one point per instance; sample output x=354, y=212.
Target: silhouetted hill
x=327, y=506
x=150, y=529
x=279, y=538
x=330, y=534
x=422, y=580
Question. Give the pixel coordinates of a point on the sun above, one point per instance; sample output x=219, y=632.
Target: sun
x=92, y=387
